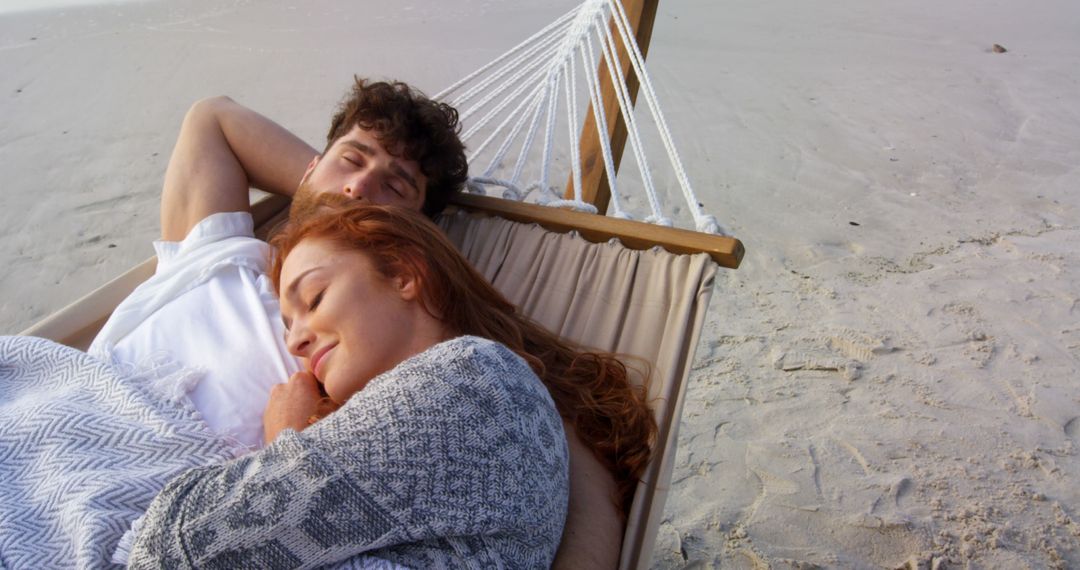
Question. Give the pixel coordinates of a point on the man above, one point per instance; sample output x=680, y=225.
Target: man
x=210, y=308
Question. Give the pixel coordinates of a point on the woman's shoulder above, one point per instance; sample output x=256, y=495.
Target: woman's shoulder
x=475, y=347
x=465, y=364
x=460, y=377
x=470, y=357
x=468, y=346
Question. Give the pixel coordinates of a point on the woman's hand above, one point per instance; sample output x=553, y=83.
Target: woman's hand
x=291, y=405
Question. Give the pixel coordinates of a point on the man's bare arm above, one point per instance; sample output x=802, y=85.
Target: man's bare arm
x=594, y=528
x=223, y=149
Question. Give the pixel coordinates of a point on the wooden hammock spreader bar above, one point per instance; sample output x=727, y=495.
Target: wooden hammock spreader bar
x=594, y=180
x=725, y=251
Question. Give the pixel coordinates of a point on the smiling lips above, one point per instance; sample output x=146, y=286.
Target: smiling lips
x=317, y=360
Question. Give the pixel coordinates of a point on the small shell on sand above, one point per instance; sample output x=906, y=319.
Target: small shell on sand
x=998, y=48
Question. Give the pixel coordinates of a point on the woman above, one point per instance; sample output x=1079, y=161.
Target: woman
x=591, y=390
x=445, y=450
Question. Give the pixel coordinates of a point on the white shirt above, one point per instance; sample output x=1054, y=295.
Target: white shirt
x=211, y=308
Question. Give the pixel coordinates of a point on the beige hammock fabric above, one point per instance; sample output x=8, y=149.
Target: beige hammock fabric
x=649, y=304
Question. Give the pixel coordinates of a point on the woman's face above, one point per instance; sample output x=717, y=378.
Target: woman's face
x=346, y=321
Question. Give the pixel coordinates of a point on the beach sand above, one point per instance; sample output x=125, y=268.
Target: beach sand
x=890, y=380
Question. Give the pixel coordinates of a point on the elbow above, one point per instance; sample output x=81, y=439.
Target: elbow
x=209, y=106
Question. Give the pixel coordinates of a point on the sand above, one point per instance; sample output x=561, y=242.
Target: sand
x=891, y=378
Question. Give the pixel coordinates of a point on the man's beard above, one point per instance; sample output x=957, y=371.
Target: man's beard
x=307, y=202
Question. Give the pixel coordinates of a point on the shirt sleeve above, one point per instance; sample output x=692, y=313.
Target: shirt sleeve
x=445, y=445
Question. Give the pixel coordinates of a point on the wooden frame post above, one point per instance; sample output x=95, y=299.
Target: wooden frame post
x=594, y=182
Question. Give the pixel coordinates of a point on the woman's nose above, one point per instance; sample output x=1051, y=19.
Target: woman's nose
x=298, y=340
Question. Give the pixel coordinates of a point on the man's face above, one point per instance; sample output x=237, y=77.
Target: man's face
x=358, y=167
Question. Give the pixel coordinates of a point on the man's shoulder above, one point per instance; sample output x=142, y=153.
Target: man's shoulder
x=217, y=236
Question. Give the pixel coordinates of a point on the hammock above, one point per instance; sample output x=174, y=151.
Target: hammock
x=610, y=283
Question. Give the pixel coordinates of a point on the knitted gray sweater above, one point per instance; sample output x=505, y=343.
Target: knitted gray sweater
x=454, y=459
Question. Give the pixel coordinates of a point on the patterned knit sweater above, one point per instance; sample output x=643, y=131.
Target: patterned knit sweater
x=454, y=459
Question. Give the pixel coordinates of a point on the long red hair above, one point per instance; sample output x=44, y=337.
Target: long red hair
x=592, y=390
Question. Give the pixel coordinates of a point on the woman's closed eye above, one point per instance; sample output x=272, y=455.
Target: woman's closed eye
x=310, y=307
x=315, y=302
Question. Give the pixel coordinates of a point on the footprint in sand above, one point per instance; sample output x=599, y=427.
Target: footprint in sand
x=846, y=352
x=1072, y=339
x=805, y=360
x=858, y=346
x=1072, y=428
x=901, y=490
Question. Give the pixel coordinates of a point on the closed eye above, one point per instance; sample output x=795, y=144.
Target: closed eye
x=315, y=302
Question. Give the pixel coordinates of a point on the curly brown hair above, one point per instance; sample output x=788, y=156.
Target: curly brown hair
x=592, y=390
x=410, y=125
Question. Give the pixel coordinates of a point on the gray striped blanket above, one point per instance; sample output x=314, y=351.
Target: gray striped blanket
x=84, y=449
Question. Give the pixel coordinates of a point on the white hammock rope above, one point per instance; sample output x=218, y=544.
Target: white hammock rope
x=530, y=80
x=500, y=92
x=517, y=92
x=563, y=20
x=496, y=160
x=705, y=222
x=526, y=146
x=575, y=167
x=549, y=135
x=623, y=93
x=600, y=116
x=510, y=66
